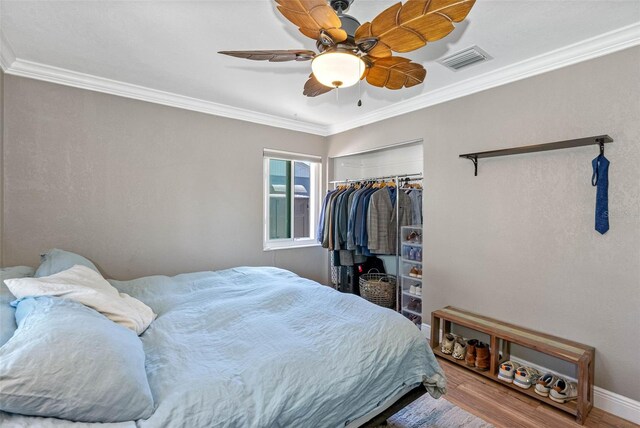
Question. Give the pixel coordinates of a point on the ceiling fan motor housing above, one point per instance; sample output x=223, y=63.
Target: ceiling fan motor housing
x=340, y=5
x=349, y=24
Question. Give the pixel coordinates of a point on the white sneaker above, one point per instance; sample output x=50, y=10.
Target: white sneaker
x=563, y=391
x=459, y=349
x=525, y=377
x=507, y=371
x=544, y=384
x=447, y=343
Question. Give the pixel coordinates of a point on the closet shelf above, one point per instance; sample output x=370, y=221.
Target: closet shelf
x=567, y=144
x=412, y=244
x=412, y=312
x=412, y=296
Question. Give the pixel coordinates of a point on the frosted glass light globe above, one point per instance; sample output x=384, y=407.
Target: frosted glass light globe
x=338, y=69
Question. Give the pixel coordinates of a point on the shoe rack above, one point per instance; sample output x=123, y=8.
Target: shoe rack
x=411, y=273
x=502, y=335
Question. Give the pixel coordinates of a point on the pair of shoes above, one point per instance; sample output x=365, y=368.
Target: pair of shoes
x=519, y=375
x=414, y=305
x=415, y=319
x=416, y=290
x=415, y=273
x=558, y=389
x=478, y=355
x=545, y=383
x=414, y=237
x=414, y=254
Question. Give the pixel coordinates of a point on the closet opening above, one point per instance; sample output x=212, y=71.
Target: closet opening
x=374, y=199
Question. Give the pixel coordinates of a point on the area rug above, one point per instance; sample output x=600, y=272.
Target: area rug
x=427, y=412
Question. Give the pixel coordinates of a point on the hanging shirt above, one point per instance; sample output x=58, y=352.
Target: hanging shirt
x=344, y=227
x=361, y=221
x=416, y=205
x=351, y=223
x=328, y=221
x=340, y=219
x=320, y=234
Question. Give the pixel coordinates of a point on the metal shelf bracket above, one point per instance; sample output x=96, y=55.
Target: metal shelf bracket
x=473, y=159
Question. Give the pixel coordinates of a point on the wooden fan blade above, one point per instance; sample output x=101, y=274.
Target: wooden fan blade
x=273, y=56
x=403, y=28
x=313, y=88
x=312, y=16
x=395, y=73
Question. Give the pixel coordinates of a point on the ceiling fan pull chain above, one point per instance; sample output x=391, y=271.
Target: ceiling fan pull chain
x=359, y=88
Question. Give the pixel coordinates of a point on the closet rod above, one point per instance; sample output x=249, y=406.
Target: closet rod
x=353, y=180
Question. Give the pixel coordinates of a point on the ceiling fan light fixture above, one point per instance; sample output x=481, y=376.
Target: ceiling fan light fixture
x=338, y=69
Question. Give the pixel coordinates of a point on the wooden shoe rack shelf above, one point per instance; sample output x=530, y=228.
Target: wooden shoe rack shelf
x=502, y=335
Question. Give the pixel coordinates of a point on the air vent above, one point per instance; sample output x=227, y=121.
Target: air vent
x=465, y=58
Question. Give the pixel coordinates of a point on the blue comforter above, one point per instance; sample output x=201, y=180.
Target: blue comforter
x=262, y=347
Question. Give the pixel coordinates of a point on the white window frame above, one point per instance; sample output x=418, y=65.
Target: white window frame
x=314, y=200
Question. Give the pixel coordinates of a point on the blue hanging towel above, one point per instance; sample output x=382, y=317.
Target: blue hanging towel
x=600, y=180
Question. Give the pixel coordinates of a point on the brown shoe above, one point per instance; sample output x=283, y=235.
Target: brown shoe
x=471, y=352
x=483, y=356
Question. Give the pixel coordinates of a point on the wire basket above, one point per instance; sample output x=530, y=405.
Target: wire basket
x=379, y=288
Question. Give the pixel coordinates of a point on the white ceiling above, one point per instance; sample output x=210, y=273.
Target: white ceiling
x=171, y=46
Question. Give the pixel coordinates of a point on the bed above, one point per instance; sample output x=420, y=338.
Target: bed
x=263, y=347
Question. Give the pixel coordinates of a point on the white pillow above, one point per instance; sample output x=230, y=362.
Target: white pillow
x=86, y=286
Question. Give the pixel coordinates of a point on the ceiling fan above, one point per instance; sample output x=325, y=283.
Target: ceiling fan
x=349, y=52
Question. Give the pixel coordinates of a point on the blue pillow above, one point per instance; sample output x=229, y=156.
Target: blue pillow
x=54, y=261
x=7, y=313
x=68, y=361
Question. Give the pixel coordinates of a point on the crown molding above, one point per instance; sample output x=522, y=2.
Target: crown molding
x=7, y=57
x=48, y=73
x=604, y=44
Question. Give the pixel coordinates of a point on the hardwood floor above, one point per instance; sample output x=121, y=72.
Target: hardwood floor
x=504, y=407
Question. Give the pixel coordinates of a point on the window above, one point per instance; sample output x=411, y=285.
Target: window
x=291, y=198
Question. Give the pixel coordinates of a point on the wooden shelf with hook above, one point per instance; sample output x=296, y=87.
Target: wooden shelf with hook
x=567, y=144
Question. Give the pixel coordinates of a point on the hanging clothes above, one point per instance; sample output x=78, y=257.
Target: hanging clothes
x=340, y=220
x=361, y=236
x=323, y=211
x=382, y=232
x=359, y=221
x=353, y=213
x=416, y=204
x=327, y=240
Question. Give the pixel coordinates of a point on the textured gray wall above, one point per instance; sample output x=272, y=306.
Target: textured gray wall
x=139, y=188
x=517, y=242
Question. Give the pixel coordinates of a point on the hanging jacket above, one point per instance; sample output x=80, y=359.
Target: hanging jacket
x=381, y=219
